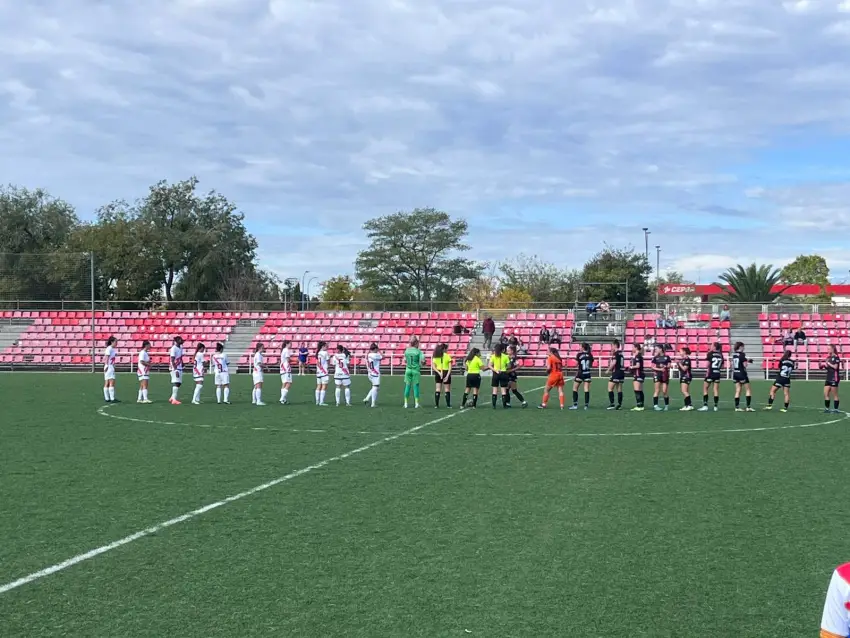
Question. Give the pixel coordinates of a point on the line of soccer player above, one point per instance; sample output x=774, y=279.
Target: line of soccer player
x=504, y=366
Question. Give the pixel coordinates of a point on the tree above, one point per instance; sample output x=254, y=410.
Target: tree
x=338, y=293
x=809, y=269
x=542, y=281
x=612, y=268
x=416, y=255
x=512, y=298
x=674, y=277
x=251, y=289
x=753, y=284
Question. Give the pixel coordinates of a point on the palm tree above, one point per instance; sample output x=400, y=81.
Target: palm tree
x=753, y=284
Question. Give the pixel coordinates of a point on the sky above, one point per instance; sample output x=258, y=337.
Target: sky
x=552, y=126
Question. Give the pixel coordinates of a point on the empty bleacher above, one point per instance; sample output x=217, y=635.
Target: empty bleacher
x=526, y=327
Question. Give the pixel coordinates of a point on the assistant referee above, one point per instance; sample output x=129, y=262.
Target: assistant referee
x=500, y=363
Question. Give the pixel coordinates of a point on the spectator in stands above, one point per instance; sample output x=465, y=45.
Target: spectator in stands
x=725, y=314
x=489, y=329
x=544, y=335
x=503, y=339
x=671, y=321
x=788, y=338
x=592, y=308
x=605, y=309
x=660, y=320
x=459, y=329
x=649, y=344
x=800, y=336
x=555, y=337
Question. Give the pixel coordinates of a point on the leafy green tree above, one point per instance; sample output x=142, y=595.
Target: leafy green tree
x=541, y=281
x=416, y=255
x=809, y=269
x=611, y=268
x=750, y=284
x=674, y=277
x=251, y=289
x=338, y=293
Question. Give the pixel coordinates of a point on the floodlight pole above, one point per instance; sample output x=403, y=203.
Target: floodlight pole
x=91, y=282
x=646, y=234
x=657, y=273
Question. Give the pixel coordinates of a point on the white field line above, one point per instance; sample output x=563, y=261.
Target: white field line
x=79, y=558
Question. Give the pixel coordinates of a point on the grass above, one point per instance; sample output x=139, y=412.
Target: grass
x=489, y=523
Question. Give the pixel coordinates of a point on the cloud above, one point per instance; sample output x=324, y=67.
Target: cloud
x=551, y=126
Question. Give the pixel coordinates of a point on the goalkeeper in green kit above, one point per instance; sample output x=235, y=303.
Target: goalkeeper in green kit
x=413, y=358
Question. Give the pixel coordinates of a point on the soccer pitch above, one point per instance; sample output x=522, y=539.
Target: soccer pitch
x=393, y=522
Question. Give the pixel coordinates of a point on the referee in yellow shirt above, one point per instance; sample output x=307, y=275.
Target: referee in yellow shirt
x=441, y=364
x=500, y=363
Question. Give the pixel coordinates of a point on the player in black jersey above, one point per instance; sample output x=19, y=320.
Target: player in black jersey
x=584, y=360
x=617, y=370
x=833, y=377
x=661, y=377
x=638, y=376
x=685, y=377
x=783, y=380
x=712, y=376
x=741, y=378
x=513, y=376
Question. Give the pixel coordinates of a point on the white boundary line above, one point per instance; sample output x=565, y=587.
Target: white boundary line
x=79, y=558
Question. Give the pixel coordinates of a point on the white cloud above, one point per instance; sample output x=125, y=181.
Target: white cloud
x=579, y=122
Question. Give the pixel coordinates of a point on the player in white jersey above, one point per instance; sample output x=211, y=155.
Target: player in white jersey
x=322, y=359
x=285, y=372
x=198, y=373
x=342, y=374
x=109, y=357
x=220, y=364
x=257, y=372
x=175, y=367
x=143, y=370
x=373, y=370
x=835, y=622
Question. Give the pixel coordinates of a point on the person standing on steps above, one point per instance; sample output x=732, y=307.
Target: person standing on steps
x=488, y=329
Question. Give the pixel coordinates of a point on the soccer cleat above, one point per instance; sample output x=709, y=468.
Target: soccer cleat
x=740, y=410
x=322, y=405
x=541, y=407
x=666, y=408
x=196, y=403
x=749, y=410
x=405, y=405
x=783, y=409
x=716, y=408
x=174, y=402
x=587, y=407
x=703, y=409
x=260, y=403
x=827, y=411
x=573, y=407
x=611, y=407
x=365, y=401
x=687, y=408
x=227, y=403
x=767, y=407
x=638, y=408
x=657, y=408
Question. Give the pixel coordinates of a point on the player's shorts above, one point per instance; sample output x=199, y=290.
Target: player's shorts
x=583, y=377
x=321, y=379
x=741, y=378
x=375, y=380
x=144, y=377
x=438, y=378
x=555, y=380
x=176, y=377
x=618, y=377
x=712, y=377
x=782, y=382
x=831, y=383
x=412, y=377
x=258, y=377
x=109, y=374
x=286, y=377
x=473, y=380
x=638, y=379
x=198, y=378
x=222, y=378
x=500, y=380
x=685, y=380
x=342, y=381
x=661, y=377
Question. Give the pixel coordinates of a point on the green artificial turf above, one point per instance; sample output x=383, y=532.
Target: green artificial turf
x=487, y=523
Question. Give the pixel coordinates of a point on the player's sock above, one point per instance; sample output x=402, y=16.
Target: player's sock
x=259, y=395
x=705, y=399
x=437, y=399
x=506, y=400
x=519, y=396
x=666, y=400
x=284, y=393
x=406, y=391
x=561, y=399
x=786, y=405
x=688, y=400
x=416, y=393
x=196, y=395
x=587, y=399
x=655, y=401
x=637, y=398
x=112, y=393
x=770, y=400
x=227, y=394
x=835, y=404
x=348, y=396
x=338, y=394
x=218, y=394
x=465, y=397
x=254, y=395
x=322, y=395
x=495, y=398
x=575, y=397
x=545, y=399
x=737, y=402
x=145, y=394
x=749, y=399
x=139, y=398
x=174, y=391
x=448, y=399
x=474, y=400
x=610, y=397
x=374, y=395
x=826, y=403
x=716, y=401
x=619, y=398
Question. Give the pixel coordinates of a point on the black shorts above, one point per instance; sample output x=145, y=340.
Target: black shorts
x=500, y=380
x=473, y=380
x=583, y=378
x=618, y=377
x=512, y=377
x=712, y=377
x=438, y=378
x=661, y=377
x=638, y=379
x=831, y=383
x=782, y=382
x=685, y=380
x=741, y=378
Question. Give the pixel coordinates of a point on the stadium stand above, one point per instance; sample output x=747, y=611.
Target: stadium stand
x=698, y=332
x=358, y=330
x=526, y=327
x=821, y=331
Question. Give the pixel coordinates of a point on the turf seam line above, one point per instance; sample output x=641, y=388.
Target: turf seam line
x=149, y=531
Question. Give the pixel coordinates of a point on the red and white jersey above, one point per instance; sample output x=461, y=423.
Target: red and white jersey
x=258, y=362
x=373, y=364
x=322, y=363
x=836, y=611
x=143, y=363
x=198, y=368
x=342, y=366
x=219, y=362
x=175, y=358
x=285, y=363
x=109, y=357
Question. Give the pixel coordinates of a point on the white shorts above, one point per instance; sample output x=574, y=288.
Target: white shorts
x=345, y=381
x=286, y=377
x=321, y=380
x=198, y=379
x=144, y=377
x=374, y=380
x=258, y=377
x=222, y=378
x=176, y=376
x=109, y=374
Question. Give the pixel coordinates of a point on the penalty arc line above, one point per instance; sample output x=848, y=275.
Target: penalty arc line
x=154, y=529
